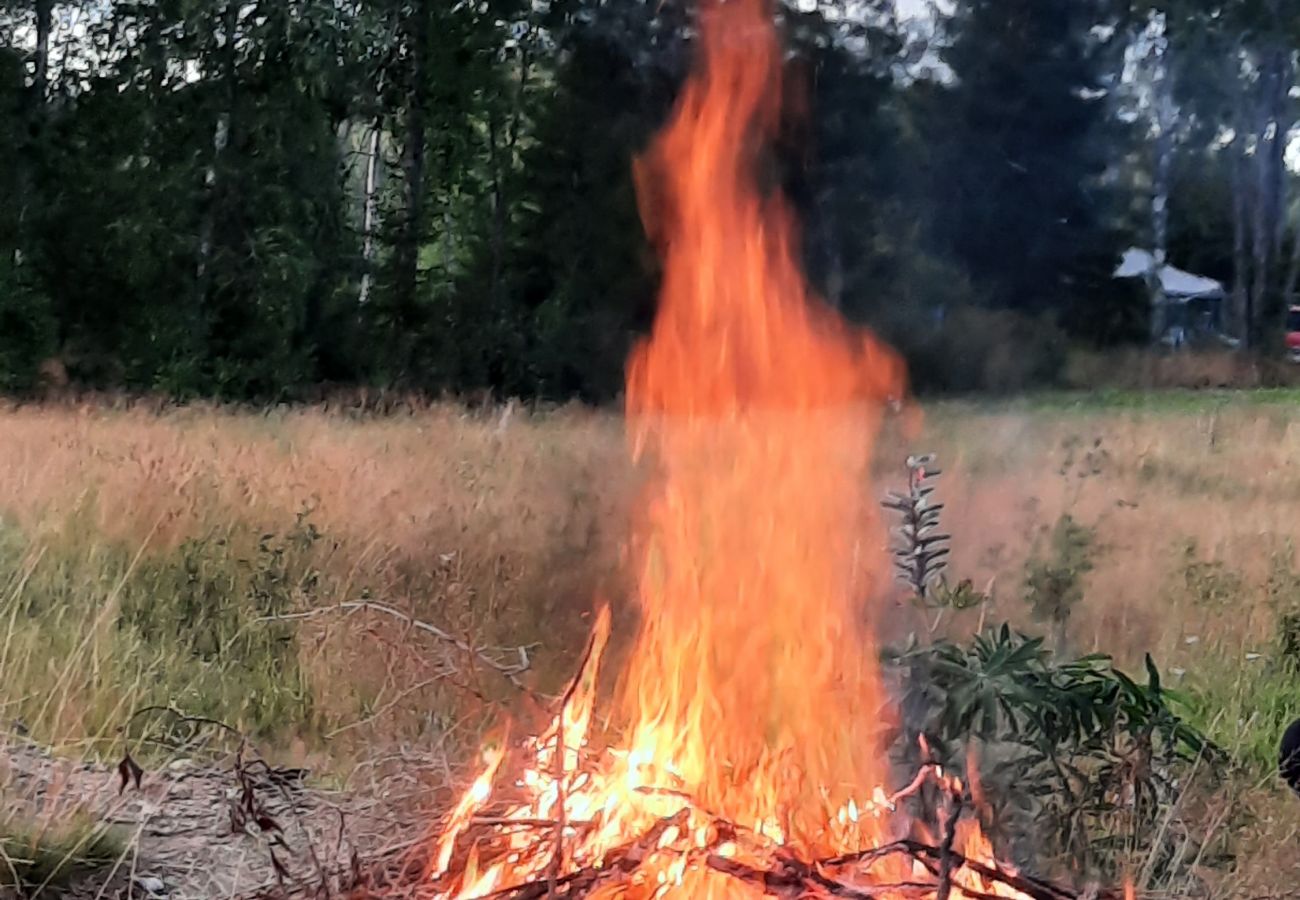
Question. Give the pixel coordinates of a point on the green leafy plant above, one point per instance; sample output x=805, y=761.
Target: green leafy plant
x=1082, y=754
x=921, y=549
x=1076, y=751
x=1054, y=581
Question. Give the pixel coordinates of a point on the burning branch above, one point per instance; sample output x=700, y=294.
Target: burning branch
x=949, y=838
x=620, y=861
x=594, y=646
x=953, y=874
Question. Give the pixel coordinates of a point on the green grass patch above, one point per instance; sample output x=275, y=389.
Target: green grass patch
x=1244, y=707
x=1175, y=401
x=90, y=631
x=46, y=856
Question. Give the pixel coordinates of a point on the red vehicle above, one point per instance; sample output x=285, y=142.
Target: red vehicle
x=1293, y=333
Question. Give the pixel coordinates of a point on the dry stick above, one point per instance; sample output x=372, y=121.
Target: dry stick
x=927, y=771
x=510, y=672
x=557, y=855
x=793, y=882
x=1032, y=887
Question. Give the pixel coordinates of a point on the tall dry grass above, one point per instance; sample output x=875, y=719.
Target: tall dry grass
x=507, y=525
x=1178, y=495
x=496, y=528
x=504, y=527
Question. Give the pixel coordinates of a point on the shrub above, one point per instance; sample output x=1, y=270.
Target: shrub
x=27, y=333
x=1083, y=756
x=1054, y=581
x=1077, y=753
x=1145, y=369
x=985, y=350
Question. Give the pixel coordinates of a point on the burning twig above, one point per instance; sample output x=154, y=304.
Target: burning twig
x=619, y=862
x=595, y=644
x=791, y=878
x=1031, y=887
x=949, y=837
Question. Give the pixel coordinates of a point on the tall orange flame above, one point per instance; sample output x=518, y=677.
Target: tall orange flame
x=752, y=693
x=754, y=672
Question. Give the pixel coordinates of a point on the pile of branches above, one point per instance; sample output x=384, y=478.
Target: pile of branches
x=938, y=869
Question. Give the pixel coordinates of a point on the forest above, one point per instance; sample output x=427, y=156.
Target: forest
x=267, y=199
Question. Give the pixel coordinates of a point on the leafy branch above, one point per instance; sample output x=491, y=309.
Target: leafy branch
x=1088, y=753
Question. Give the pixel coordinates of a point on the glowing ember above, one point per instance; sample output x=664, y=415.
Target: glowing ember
x=751, y=701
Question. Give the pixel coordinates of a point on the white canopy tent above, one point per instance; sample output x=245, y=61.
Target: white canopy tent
x=1190, y=305
x=1178, y=286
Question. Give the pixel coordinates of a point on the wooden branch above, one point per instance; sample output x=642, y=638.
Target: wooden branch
x=792, y=879
x=619, y=861
x=945, y=849
x=785, y=876
x=510, y=672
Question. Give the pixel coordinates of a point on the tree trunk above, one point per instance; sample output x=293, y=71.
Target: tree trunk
x=1270, y=178
x=1283, y=119
x=38, y=101
x=1166, y=119
x=1261, y=230
x=407, y=256
x=1240, y=313
x=498, y=209
x=1292, y=270
x=370, y=210
x=1160, y=216
x=207, y=226
x=41, y=77
x=221, y=137
x=499, y=198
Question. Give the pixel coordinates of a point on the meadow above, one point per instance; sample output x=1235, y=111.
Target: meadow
x=219, y=561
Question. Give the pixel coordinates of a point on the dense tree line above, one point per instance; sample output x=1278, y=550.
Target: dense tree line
x=252, y=198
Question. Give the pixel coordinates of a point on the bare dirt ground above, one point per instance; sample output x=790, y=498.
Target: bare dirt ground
x=186, y=832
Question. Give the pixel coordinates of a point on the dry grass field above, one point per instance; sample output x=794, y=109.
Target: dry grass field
x=198, y=559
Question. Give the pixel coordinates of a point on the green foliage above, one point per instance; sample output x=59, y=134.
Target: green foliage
x=1022, y=142
x=1054, y=581
x=27, y=330
x=1076, y=751
x=92, y=631
x=197, y=215
x=1079, y=752
x=920, y=554
x=974, y=350
x=220, y=603
x=44, y=856
x=1006, y=686
x=1244, y=697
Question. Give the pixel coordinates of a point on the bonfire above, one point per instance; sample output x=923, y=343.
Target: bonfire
x=749, y=754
